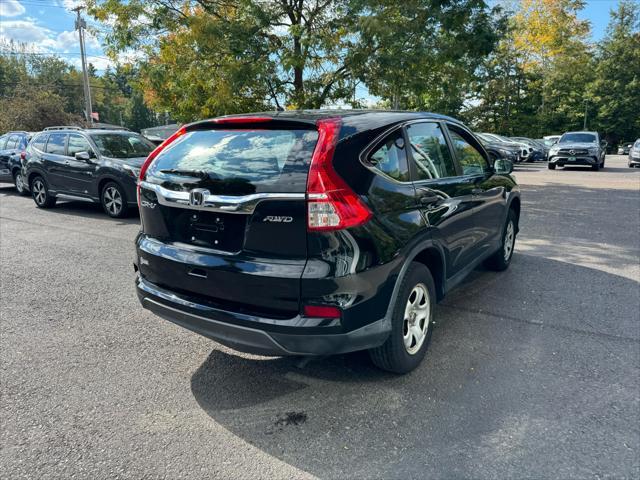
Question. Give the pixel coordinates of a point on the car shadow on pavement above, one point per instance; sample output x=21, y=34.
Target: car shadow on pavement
x=92, y=210
x=514, y=370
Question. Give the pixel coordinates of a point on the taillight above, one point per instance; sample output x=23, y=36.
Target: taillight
x=332, y=205
x=23, y=155
x=154, y=154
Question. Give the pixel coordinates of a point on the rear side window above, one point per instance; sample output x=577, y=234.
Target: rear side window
x=3, y=141
x=13, y=141
x=39, y=142
x=390, y=157
x=430, y=151
x=241, y=156
x=56, y=143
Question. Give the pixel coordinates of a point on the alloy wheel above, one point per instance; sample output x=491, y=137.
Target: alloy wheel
x=19, y=183
x=417, y=315
x=509, y=240
x=113, y=200
x=39, y=192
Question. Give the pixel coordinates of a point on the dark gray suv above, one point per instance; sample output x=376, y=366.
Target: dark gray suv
x=100, y=166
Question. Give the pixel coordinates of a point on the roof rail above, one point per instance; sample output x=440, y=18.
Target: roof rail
x=110, y=127
x=63, y=127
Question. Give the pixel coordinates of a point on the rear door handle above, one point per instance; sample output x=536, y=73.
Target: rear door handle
x=426, y=196
x=429, y=199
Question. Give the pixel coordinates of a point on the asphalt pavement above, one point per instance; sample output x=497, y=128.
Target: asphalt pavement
x=534, y=372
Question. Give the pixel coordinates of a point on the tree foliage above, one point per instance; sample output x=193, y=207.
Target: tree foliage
x=40, y=90
x=544, y=77
x=209, y=57
x=615, y=91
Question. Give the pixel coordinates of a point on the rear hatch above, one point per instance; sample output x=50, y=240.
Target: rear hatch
x=223, y=210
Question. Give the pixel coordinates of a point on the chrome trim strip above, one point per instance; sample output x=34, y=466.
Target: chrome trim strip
x=64, y=196
x=217, y=203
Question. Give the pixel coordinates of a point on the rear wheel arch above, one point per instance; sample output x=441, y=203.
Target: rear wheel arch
x=431, y=258
x=33, y=175
x=515, y=206
x=103, y=182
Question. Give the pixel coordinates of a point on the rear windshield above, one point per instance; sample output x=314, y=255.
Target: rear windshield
x=250, y=156
x=122, y=145
x=578, y=138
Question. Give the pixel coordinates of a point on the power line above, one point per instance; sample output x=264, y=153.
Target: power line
x=52, y=54
x=6, y=84
x=46, y=5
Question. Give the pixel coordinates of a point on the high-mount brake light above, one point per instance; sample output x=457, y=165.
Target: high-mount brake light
x=145, y=166
x=332, y=205
x=240, y=120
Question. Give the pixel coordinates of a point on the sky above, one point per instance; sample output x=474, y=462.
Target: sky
x=47, y=27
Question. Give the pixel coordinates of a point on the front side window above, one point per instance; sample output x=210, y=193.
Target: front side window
x=470, y=159
x=77, y=143
x=390, y=157
x=122, y=145
x=56, y=143
x=430, y=152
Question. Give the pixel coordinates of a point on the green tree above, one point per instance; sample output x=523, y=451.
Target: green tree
x=209, y=57
x=615, y=92
x=30, y=107
x=424, y=54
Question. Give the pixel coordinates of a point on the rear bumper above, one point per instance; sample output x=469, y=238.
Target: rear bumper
x=250, y=334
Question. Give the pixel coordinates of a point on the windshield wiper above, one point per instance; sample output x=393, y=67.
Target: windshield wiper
x=188, y=173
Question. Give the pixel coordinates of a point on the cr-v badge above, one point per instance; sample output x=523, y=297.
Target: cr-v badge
x=146, y=204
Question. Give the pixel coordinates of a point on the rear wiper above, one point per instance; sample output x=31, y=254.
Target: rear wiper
x=188, y=173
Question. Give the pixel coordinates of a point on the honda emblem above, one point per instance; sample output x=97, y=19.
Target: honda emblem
x=197, y=196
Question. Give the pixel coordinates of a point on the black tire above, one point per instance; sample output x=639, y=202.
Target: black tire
x=551, y=166
x=40, y=193
x=19, y=183
x=595, y=167
x=113, y=200
x=393, y=355
x=501, y=260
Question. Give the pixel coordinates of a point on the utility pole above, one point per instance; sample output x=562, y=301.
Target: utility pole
x=81, y=25
x=585, y=115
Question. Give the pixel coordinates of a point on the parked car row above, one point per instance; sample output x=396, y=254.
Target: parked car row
x=92, y=165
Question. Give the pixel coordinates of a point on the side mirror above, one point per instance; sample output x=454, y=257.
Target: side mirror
x=503, y=166
x=83, y=156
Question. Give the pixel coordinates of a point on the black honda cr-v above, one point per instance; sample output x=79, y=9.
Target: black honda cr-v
x=319, y=232
x=100, y=166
